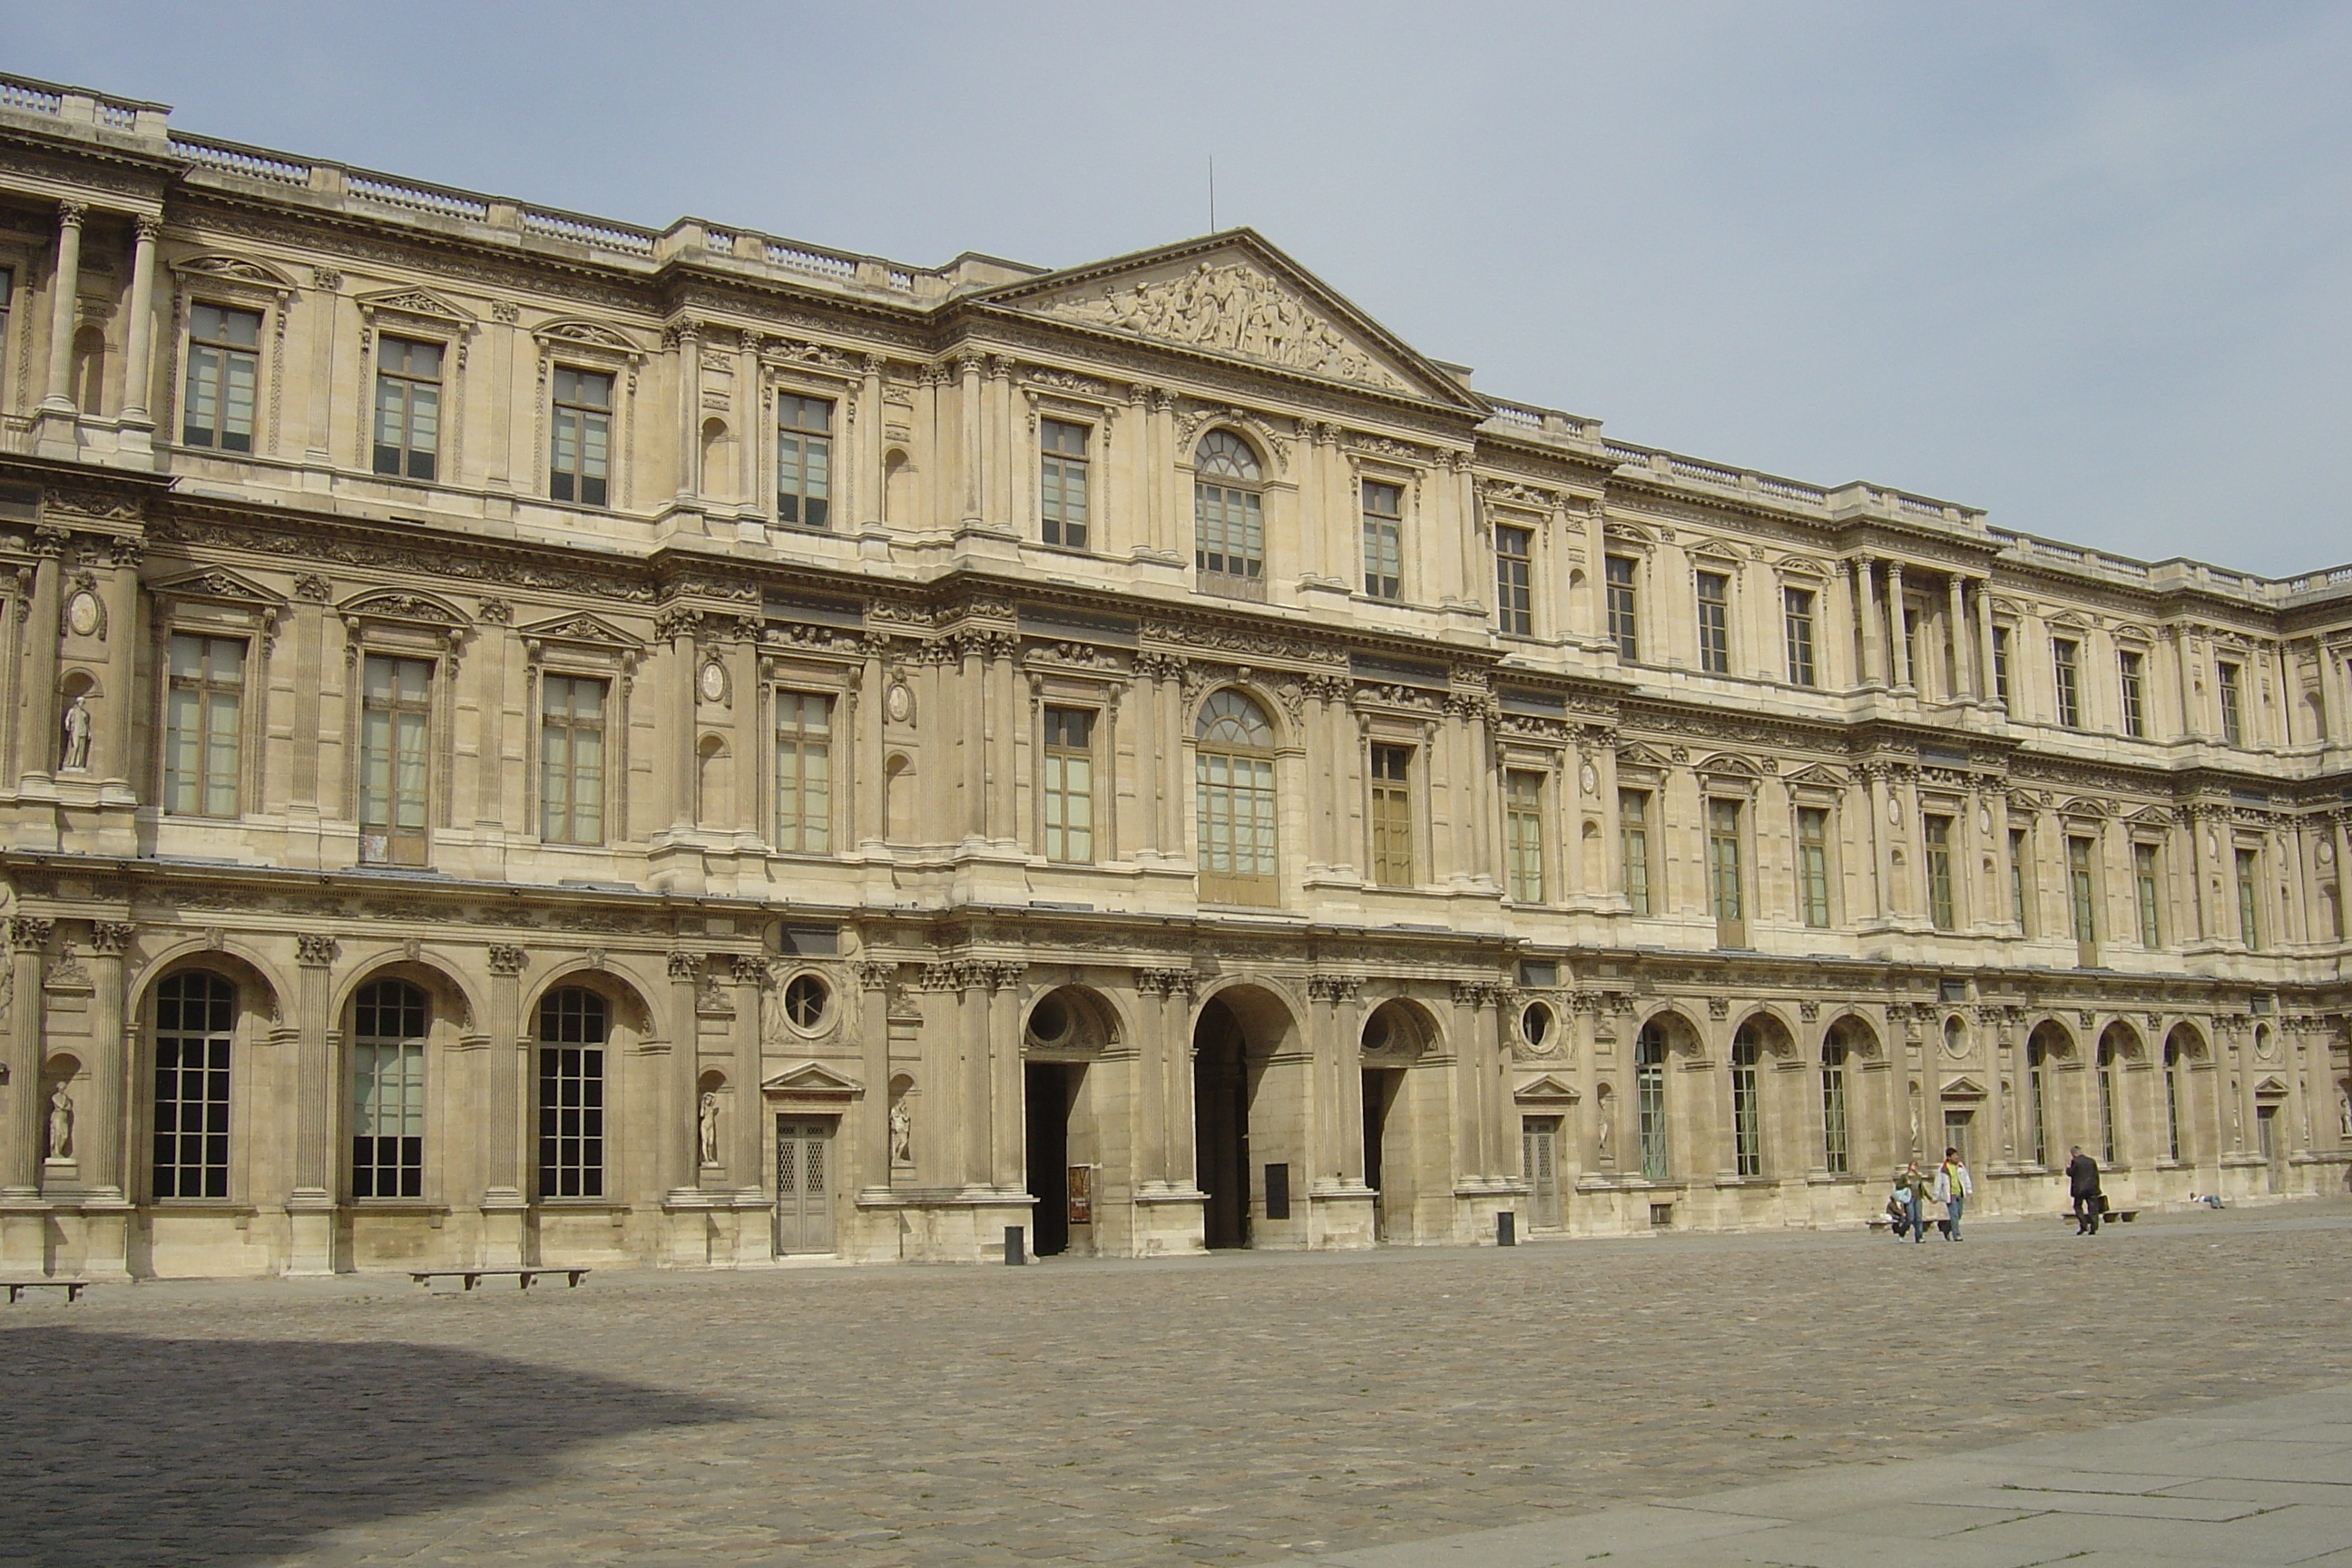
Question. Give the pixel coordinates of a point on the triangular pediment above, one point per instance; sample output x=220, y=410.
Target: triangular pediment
x=1633, y=754
x=400, y=605
x=2271, y=1088
x=593, y=630
x=813, y=1079
x=214, y=582
x=1235, y=295
x=419, y=302
x=1963, y=1089
x=1551, y=1088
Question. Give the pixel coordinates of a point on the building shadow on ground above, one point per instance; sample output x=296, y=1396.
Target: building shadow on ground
x=123, y=1450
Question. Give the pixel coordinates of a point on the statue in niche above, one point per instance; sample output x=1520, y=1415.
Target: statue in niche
x=1601, y=1143
x=2343, y=1116
x=707, y=1120
x=902, y=1133
x=77, y=729
x=62, y=1123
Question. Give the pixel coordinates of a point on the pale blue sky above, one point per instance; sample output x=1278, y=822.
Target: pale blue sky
x=2083, y=265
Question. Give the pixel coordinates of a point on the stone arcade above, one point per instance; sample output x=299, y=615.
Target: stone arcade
x=529, y=739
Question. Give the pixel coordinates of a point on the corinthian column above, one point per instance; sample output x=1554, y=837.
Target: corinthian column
x=138, y=334
x=65, y=286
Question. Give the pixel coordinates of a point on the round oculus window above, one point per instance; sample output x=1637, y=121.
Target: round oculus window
x=804, y=1001
x=1534, y=1023
x=1049, y=1022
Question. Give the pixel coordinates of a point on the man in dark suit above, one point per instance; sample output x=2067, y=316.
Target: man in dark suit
x=2083, y=1183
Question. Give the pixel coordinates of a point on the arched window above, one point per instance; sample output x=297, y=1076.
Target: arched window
x=1746, y=1111
x=388, y=1020
x=1233, y=778
x=1650, y=1099
x=2037, y=1098
x=2107, y=1140
x=572, y=1034
x=1228, y=517
x=195, y=1018
x=2175, y=1063
x=1835, y=1157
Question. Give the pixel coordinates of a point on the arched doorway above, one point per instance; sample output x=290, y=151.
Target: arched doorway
x=1062, y=1040
x=1249, y=1120
x=1394, y=1039
x=1221, y=1116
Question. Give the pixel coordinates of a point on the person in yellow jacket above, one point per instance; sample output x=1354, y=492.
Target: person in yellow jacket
x=1954, y=1188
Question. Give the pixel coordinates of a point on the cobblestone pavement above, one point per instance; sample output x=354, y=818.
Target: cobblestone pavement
x=1238, y=1408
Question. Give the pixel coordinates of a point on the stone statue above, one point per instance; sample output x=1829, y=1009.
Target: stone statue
x=708, y=1120
x=2343, y=1115
x=76, y=727
x=902, y=1133
x=61, y=1120
x=1601, y=1143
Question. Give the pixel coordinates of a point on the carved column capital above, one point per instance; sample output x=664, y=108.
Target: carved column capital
x=145, y=229
x=748, y=968
x=71, y=214
x=110, y=938
x=506, y=959
x=315, y=950
x=28, y=934
x=685, y=965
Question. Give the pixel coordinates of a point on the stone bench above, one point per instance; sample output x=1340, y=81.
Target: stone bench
x=473, y=1276
x=72, y=1287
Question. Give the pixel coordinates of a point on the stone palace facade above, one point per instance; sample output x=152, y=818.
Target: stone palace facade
x=533, y=739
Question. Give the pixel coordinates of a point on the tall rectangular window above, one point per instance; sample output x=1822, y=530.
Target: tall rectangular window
x=1940, y=909
x=1747, y=1108
x=195, y=1020
x=1523, y=833
x=2000, y=663
x=580, y=456
x=1229, y=539
x=2082, y=891
x=1383, y=540
x=388, y=1091
x=1633, y=847
x=224, y=378
x=571, y=760
x=1393, y=815
x=803, y=773
x=407, y=407
x=1833, y=1117
x=2230, y=679
x=573, y=1035
x=2019, y=904
x=2249, y=926
x=1069, y=785
x=1797, y=617
x=2130, y=669
x=1723, y=883
x=1813, y=865
x=804, y=461
x=1715, y=623
x=2065, y=667
x=1624, y=607
x=202, y=725
x=1515, y=604
x=2145, y=888
x=395, y=728
x=1062, y=483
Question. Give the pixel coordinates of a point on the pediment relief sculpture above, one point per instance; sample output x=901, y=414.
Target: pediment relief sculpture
x=1232, y=307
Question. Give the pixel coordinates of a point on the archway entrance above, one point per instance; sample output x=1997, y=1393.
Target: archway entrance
x=1052, y=1089
x=1221, y=1107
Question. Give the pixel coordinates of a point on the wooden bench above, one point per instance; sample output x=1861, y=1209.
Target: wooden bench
x=473, y=1276
x=72, y=1287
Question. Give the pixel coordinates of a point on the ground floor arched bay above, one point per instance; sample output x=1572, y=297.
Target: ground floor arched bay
x=218, y=1099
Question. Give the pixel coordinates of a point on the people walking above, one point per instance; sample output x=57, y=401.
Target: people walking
x=2083, y=1187
x=1954, y=1188
x=1913, y=1184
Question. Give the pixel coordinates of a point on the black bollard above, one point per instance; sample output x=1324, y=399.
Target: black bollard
x=1015, y=1253
x=1507, y=1228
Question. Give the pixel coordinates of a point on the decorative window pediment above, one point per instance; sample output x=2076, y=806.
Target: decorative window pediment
x=214, y=584
x=417, y=305
x=235, y=274
x=2083, y=806
x=2270, y=1089
x=1818, y=777
x=405, y=612
x=594, y=338
x=580, y=630
x=1549, y=1089
x=1963, y=1089
x=813, y=1080
x=1640, y=756
x=1725, y=765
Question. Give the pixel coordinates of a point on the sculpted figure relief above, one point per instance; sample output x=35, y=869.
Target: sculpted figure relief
x=1233, y=309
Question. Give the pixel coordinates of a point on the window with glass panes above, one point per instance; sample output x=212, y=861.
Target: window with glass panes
x=388, y=1020
x=1633, y=847
x=1062, y=483
x=804, y=461
x=2065, y=667
x=2173, y=1064
x=1391, y=769
x=1234, y=788
x=1523, y=833
x=1228, y=517
x=2082, y=891
x=571, y=759
x=2000, y=663
x=580, y=456
x=1715, y=623
x=2249, y=926
x=1383, y=540
x=1723, y=859
x=196, y=1022
x=1624, y=607
x=571, y=1039
x=2019, y=906
x=224, y=378
x=1069, y=785
x=2106, y=1068
x=1514, y=604
x=2234, y=718
x=1813, y=865
x=407, y=407
x=1797, y=618
x=2037, y=1098
x=202, y=707
x=1940, y=909
x=803, y=773
x=1747, y=1106
x=2145, y=885
x=1833, y=1116
x=395, y=727
x=2132, y=687
x=1650, y=1100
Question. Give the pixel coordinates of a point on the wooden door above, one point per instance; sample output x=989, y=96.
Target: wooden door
x=1539, y=1139
x=803, y=1184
